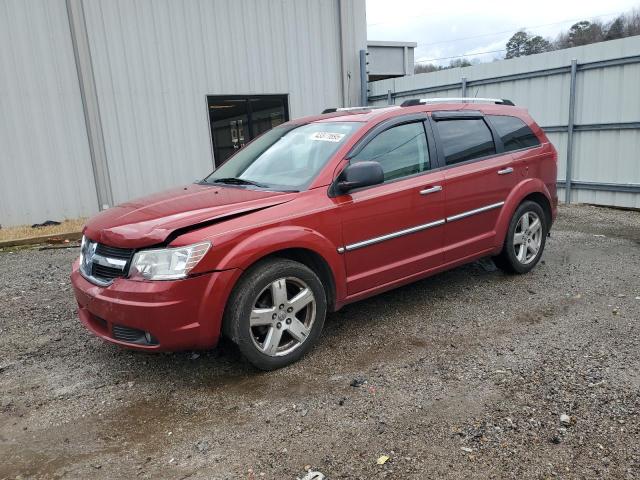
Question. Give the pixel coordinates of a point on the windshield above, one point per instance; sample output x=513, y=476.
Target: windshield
x=285, y=158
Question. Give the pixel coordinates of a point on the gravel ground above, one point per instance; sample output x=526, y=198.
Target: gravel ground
x=471, y=373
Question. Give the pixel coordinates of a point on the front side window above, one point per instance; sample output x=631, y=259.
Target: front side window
x=515, y=134
x=465, y=139
x=285, y=158
x=401, y=150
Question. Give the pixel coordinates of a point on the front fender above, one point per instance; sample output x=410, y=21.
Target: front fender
x=266, y=242
x=522, y=190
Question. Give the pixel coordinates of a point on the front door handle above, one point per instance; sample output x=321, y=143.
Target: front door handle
x=505, y=171
x=434, y=189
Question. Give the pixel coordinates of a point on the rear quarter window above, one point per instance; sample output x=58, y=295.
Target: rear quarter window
x=464, y=140
x=515, y=134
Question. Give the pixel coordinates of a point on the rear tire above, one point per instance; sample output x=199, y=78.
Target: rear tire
x=276, y=313
x=525, y=241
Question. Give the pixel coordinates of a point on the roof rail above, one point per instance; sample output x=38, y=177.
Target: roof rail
x=351, y=109
x=423, y=101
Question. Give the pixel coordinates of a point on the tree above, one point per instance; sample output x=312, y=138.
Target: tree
x=632, y=23
x=430, y=67
x=584, y=33
x=537, y=44
x=517, y=44
x=426, y=68
x=615, y=29
x=459, y=62
x=561, y=41
x=521, y=43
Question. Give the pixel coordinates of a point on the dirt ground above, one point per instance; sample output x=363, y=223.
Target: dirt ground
x=27, y=231
x=469, y=374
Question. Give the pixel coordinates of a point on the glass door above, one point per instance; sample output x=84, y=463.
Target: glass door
x=236, y=120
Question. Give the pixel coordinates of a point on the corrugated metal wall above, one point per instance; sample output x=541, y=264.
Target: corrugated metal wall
x=154, y=62
x=604, y=95
x=45, y=168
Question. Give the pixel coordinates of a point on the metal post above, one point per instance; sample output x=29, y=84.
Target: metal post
x=572, y=108
x=345, y=13
x=363, y=78
x=90, y=105
x=463, y=82
x=405, y=57
x=389, y=99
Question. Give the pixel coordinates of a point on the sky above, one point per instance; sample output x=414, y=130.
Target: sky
x=442, y=29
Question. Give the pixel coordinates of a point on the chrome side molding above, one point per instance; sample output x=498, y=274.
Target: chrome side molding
x=389, y=236
x=475, y=211
x=417, y=228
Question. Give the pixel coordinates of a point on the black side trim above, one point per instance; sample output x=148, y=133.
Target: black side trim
x=381, y=127
x=456, y=115
x=386, y=125
x=412, y=102
x=497, y=142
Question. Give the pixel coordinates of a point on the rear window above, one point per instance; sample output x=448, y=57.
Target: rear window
x=515, y=134
x=464, y=140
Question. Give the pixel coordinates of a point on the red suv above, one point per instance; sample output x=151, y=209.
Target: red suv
x=312, y=215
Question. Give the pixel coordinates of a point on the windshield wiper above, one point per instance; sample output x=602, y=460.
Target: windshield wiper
x=238, y=181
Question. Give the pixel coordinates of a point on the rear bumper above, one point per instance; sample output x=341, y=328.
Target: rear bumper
x=179, y=315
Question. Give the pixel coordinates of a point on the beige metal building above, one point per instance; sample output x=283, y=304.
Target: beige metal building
x=103, y=101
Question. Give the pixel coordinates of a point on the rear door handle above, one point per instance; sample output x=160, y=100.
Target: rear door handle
x=434, y=189
x=505, y=171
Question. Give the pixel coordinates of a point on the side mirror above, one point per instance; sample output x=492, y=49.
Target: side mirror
x=357, y=175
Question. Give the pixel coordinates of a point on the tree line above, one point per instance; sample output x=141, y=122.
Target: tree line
x=585, y=32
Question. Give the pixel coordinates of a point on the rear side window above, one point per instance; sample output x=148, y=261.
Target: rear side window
x=401, y=151
x=515, y=134
x=464, y=140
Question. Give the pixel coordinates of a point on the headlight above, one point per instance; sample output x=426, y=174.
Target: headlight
x=167, y=263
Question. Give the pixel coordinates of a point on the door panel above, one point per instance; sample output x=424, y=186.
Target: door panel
x=474, y=195
x=404, y=227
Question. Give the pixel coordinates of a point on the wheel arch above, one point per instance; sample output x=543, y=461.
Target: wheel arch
x=530, y=189
x=315, y=262
x=298, y=244
x=544, y=202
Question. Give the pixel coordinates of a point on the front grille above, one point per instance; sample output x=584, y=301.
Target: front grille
x=127, y=334
x=106, y=273
x=102, y=263
x=114, y=252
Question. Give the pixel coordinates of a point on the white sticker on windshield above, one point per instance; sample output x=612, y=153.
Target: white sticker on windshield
x=327, y=136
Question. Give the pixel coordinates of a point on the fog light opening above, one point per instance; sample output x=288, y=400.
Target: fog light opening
x=150, y=338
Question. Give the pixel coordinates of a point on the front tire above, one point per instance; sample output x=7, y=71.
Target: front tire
x=276, y=313
x=525, y=239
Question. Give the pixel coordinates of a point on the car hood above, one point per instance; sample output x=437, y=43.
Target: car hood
x=150, y=220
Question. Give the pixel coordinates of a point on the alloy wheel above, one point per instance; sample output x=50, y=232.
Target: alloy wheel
x=527, y=238
x=282, y=316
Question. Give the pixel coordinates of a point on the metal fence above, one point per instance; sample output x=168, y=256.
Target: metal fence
x=587, y=99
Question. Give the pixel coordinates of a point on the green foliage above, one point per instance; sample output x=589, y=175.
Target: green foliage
x=521, y=43
x=585, y=33
x=516, y=46
x=616, y=29
x=538, y=44
x=580, y=33
x=430, y=67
